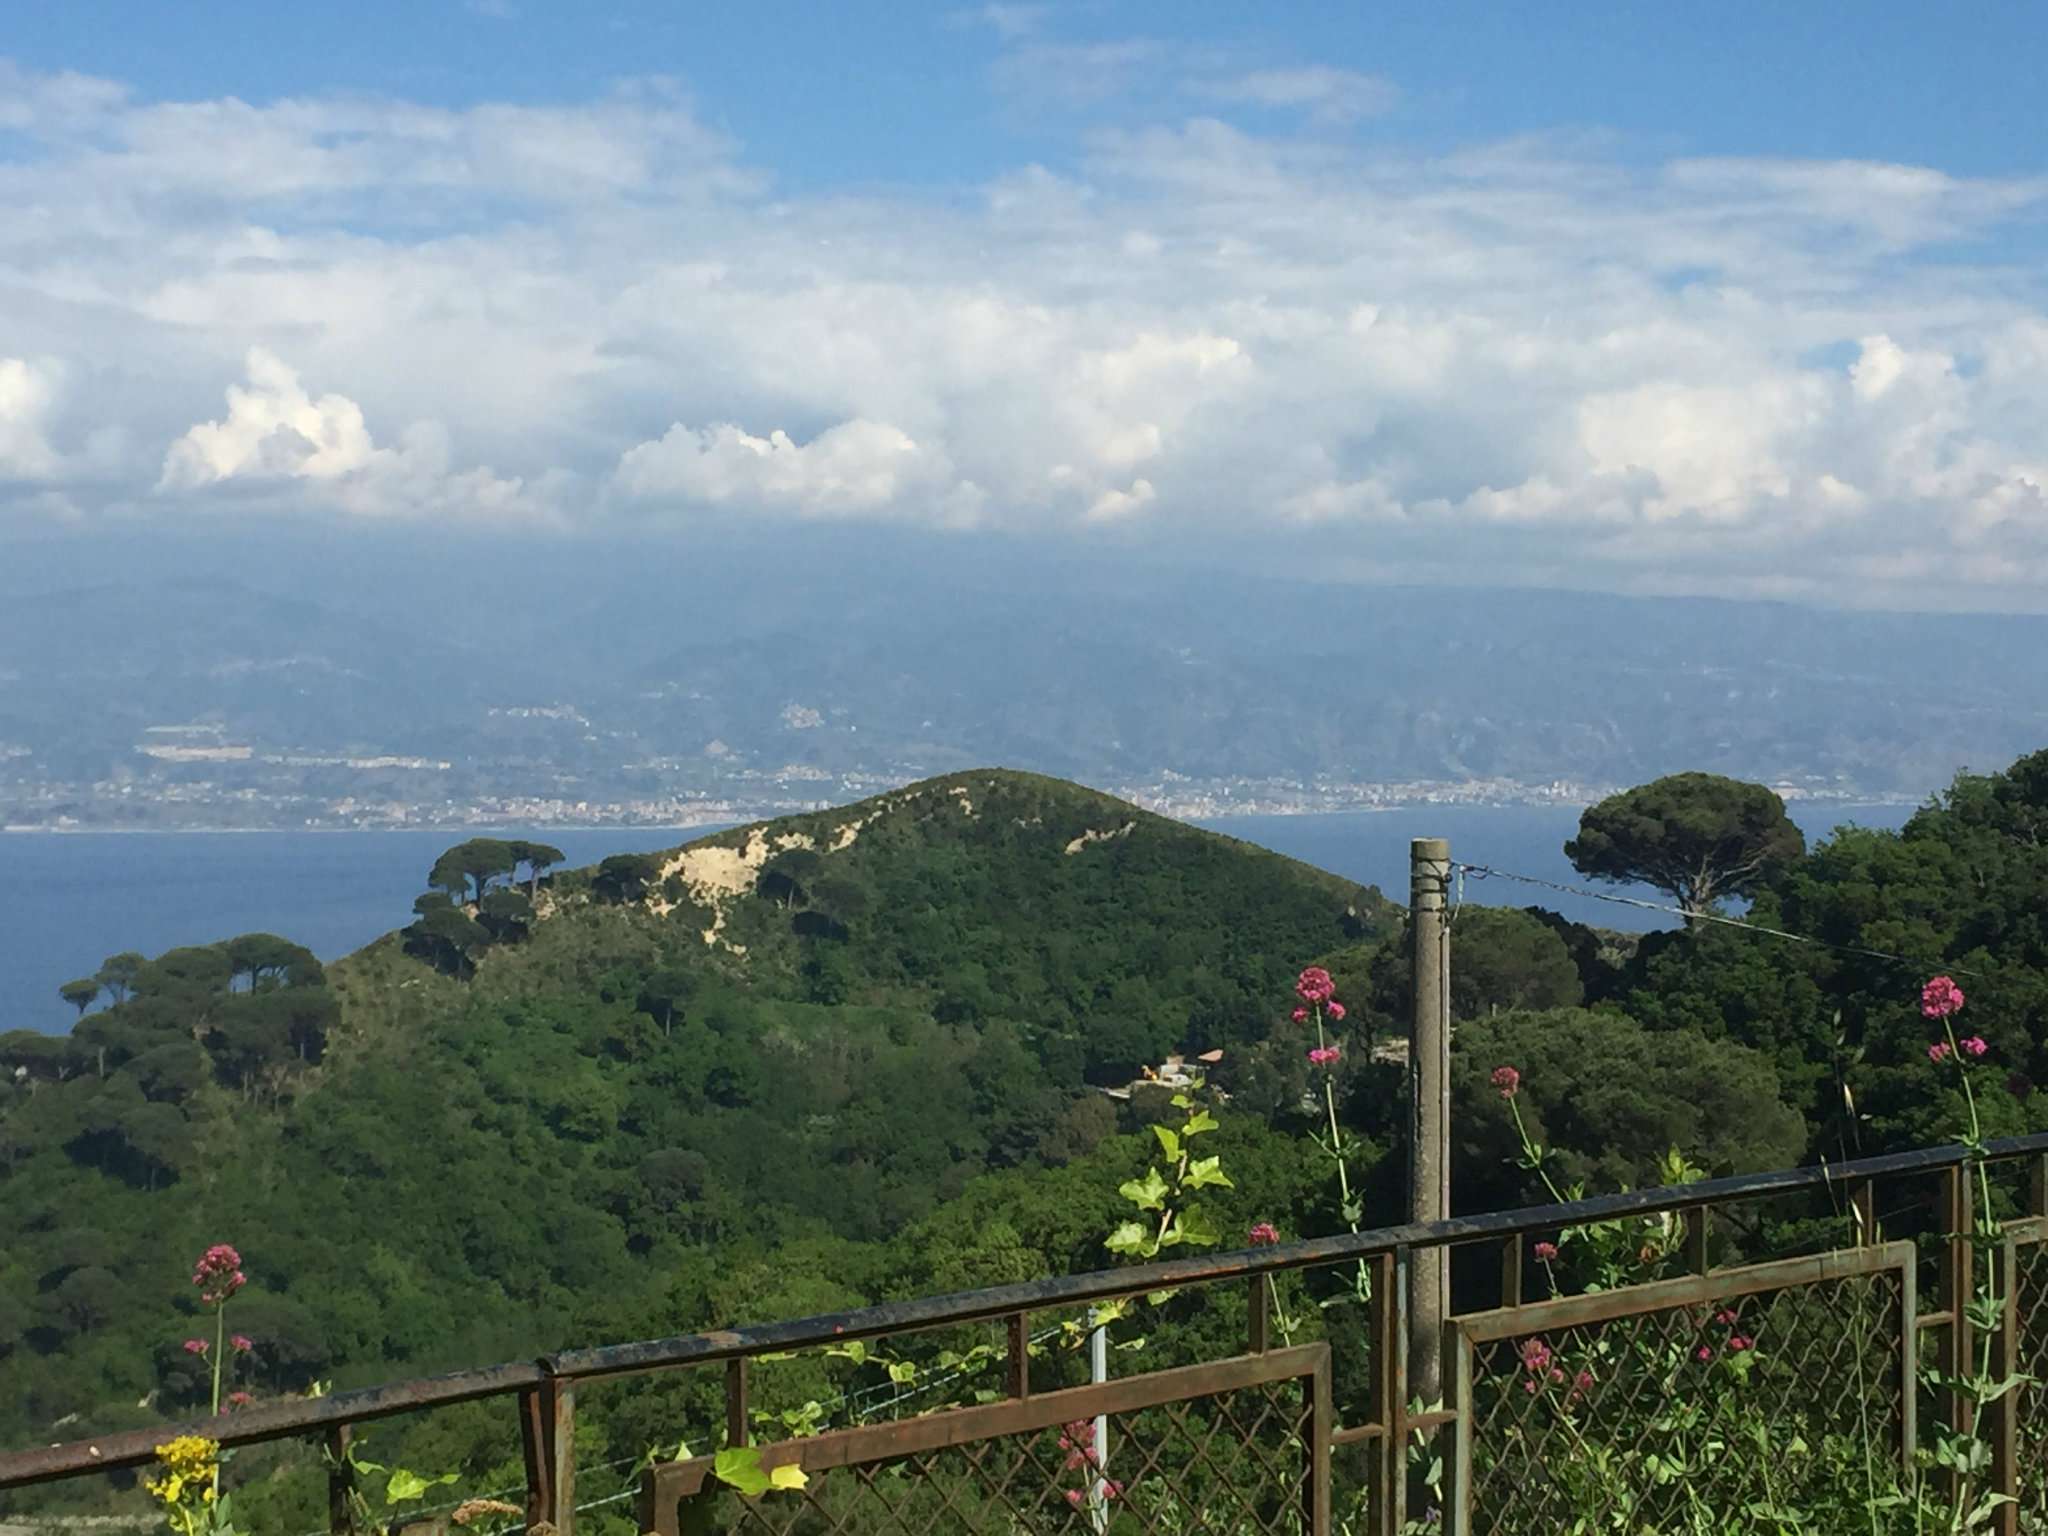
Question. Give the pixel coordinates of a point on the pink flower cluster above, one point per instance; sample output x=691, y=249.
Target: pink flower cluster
x=241, y=1343
x=196, y=1346
x=1541, y=1364
x=1507, y=1080
x=1324, y=1055
x=218, y=1274
x=1941, y=998
x=1263, y=1235
x=1077, y=1439
x=1546, y=1253
x=1314, y=986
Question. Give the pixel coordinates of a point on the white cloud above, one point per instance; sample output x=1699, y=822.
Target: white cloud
x=275, y=432
x=26, y=394
x=854, y=467
x=1113, y=505
x=1330, y=95
x=1711, y=375
x=1008, y=22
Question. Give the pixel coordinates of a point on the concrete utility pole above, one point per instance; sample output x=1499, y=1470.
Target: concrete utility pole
x=1429, y=1143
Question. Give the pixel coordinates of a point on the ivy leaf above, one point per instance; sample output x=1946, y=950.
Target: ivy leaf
x=1201, y=1120
x=1128, y=1238
x=1194, y=1226
x=739, y=1466
x=1205, y=1171
x=902, y=1372
x=857, y=1352
x=1147, y=1194
x=1168, y=1140
x=410, y=1485
x=787, y=1476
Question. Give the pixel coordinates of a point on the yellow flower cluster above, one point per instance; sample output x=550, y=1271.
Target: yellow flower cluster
x=186, y=1460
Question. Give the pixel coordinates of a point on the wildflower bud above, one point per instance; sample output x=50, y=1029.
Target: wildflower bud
x=1334, y=1009
x=1263, y=1235
x=1546, y=1253
x=196, y=1346
x=241, y=1343
x=1938, y=1052
x=1974, y=1046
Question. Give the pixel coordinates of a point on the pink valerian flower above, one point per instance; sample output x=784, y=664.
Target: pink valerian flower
x=1704, y=1353
x=1263, y=1235
x=196, y=1346
x=239, y=1399
x=1078, y=1441
x=1546, y=1253
x=1583, y=1382
x=1334, y=1009
x=1738, y=1342
x=1314, y=986
x=1973, y=1047
x=1324, y=1055
x=1507, y=1080
x=1938, y=1052
x=1726, y=1317
x=1300, y=1015
x=241, y=1343
x=1941, y=998
x=218, y=1274
x=1535, y=1356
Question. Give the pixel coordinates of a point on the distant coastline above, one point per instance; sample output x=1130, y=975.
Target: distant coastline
x=1170, y=795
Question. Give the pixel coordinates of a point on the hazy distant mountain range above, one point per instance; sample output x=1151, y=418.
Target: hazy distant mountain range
x=288, y=691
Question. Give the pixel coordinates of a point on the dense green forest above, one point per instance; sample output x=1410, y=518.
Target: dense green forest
x=857, y=1054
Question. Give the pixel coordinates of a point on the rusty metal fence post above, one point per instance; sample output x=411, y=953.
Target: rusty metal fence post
x=547, y=1436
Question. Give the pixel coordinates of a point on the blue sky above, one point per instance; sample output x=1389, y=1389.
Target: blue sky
x=833, y=92
x=1743, y=299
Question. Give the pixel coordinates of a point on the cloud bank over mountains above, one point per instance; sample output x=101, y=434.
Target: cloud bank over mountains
x=1530, y=360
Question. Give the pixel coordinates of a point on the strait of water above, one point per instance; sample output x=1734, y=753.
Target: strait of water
x=67, y=900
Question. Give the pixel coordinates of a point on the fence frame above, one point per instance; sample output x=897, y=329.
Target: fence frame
x=665, y=1485
x=545, y=1388
x=1463, y=1333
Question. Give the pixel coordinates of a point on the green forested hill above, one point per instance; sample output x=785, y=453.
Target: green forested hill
x=853, y=1055
x=792, y=1037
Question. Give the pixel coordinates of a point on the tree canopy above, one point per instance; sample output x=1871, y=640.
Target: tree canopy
x=1697, y=835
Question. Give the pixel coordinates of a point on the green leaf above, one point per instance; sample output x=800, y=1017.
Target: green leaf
x=787, y=1476
x=1168, y=1140
x=739, y=1466
x=1128, y=1238
x=1147, y=1194
x=857, y=1352
x=1201, y=1120
x=1194, y=1226
x=1205, y=1171
x=902, y=1372
x=410, y=1485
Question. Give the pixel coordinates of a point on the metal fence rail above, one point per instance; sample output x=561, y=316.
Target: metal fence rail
x=1252, y=1439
